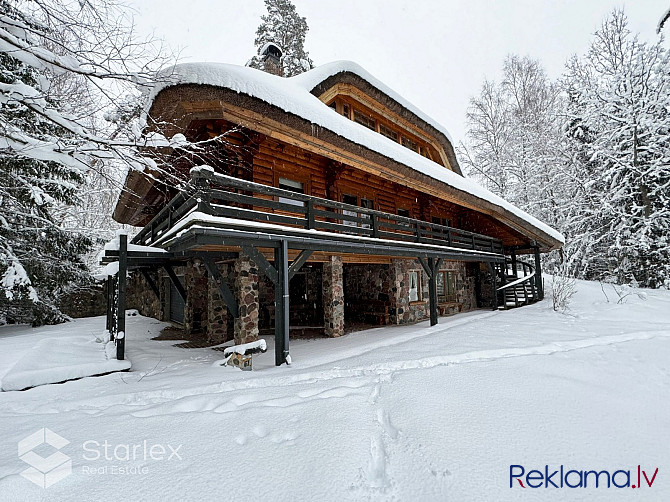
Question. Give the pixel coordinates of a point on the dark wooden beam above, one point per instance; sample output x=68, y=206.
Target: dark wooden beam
x=120, y=336
x=425, y=265
x=494, y=282
x=432, y=291
x=281, y=305
x=299, y=262
x=110, y=302
x=538, y=274
x=227, y=295
x=262, y=262
x=151, y=283
x=175, y=281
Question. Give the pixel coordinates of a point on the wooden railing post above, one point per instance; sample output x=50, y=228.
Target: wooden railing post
x=310, y=215
x=375, y=226
x=417, y=226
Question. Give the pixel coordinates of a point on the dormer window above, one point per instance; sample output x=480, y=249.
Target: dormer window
x=388, y=132
x=365, y=120
x=408, y=143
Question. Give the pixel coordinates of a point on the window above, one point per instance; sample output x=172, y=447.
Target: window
x=408, y=143
x=438, y=220
x=346, y=110
x=368, y=204
x=388, y=132
x=414, y=286
x=365, y=120
x=404, y=212
x=333, y=105
x=292, y=186
x=446, y=286
x=353, y=200
x=424, y=150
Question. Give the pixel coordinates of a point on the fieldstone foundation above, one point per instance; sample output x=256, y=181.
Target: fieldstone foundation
x=333, y=297
x=246, y=289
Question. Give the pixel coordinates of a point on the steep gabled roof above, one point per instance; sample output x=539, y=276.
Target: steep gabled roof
x=294, y=95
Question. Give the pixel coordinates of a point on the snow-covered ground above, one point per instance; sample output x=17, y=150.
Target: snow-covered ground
x=398, y=413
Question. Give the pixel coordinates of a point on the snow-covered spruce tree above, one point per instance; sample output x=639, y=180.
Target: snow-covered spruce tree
x=62, y=64
x=284, y=27
x=619, y=111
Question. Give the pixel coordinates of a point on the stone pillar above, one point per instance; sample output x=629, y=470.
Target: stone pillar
x=195, y=284
x=217, y=312
x=399, y=292
x=246, y=290
x=333, y=297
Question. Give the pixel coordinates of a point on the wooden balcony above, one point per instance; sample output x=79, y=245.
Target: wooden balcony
x=252, y=210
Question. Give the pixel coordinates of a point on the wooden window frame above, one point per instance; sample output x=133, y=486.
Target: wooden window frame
x=419, y=287
x=448, y=283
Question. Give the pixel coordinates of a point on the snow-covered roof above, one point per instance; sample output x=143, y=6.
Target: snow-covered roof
x=293, y=96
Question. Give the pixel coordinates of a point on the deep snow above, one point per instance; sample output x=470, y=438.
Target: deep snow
x=397, y=413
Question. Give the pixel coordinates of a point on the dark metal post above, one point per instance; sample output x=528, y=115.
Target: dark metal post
x=281, y=304
x=478, y=285
x=432, y=291
x=494, y=284
x=110, y=302
x=121, y=304
x=538, y=274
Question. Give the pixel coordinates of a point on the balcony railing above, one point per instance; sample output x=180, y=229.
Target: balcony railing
x=226, y=196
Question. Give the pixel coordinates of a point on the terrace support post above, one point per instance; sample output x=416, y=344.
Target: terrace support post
x=478, y=285
x=281, y=305
x=431, y=267
x=432, y=292
x=513, y=253
x=494, y=284
x=121, y=303
x=110, y=303
x=538, y=274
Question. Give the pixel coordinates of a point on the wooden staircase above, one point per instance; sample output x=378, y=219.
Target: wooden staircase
x=518, y=285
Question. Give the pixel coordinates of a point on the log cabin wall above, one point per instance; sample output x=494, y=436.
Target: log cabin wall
x=322, y=177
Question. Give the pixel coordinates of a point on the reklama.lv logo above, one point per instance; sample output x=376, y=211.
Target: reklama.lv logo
x=562, y=478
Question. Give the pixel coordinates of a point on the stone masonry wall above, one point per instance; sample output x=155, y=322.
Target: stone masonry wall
x=391, y=283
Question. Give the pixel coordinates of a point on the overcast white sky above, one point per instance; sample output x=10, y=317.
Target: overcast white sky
x=436, y=53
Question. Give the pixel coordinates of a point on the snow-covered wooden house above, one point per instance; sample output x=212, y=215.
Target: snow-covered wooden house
x=326, y=200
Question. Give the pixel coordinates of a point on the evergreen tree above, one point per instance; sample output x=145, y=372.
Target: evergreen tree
x=62, y=64
x=619, y=111
x=285, y=28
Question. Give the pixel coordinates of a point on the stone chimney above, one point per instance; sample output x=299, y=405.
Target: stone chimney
x=271, y=54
